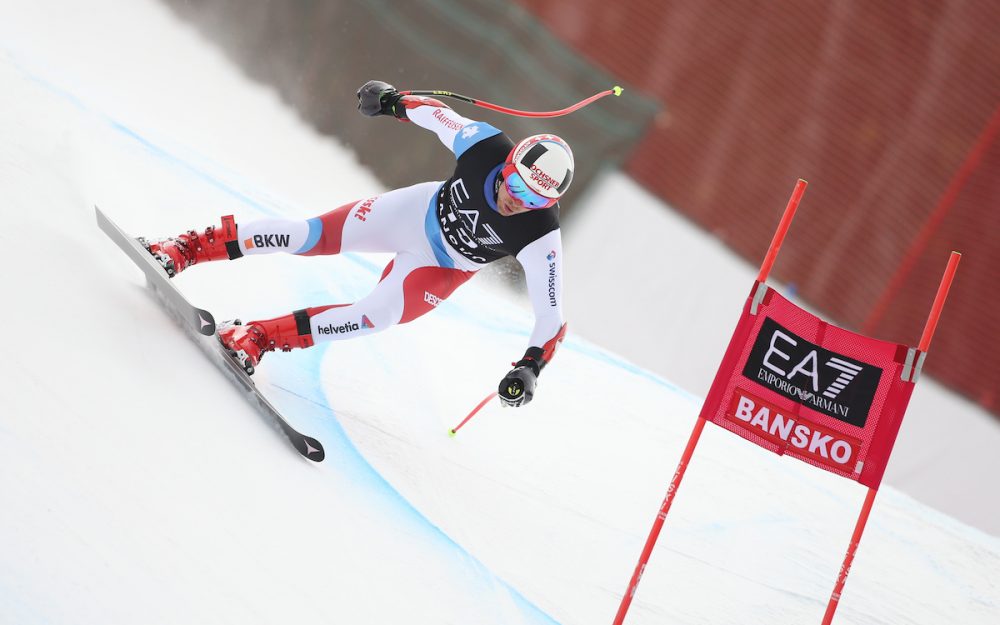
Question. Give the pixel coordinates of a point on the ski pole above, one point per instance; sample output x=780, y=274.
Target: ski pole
x=455, y=429
x=509, y=111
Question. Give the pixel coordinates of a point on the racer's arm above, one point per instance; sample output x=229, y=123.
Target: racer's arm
x=542, y=262
x=457, y=133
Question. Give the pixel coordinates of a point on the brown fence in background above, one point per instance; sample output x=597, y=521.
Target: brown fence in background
x=887, y=108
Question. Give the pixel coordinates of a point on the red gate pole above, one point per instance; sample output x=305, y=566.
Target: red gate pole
x=859, y=528
x=942, y=295
x=654, y=533
x=845, y=568
x=779, y=234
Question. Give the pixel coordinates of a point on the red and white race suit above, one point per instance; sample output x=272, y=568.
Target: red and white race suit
x=440, y=232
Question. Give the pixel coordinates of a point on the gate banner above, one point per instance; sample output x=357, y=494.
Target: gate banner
x=796, y=385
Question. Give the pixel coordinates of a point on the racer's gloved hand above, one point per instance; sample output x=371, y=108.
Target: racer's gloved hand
x=518, y=386
x=377, y=98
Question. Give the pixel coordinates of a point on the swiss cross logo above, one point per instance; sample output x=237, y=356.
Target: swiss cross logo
x=827, y=382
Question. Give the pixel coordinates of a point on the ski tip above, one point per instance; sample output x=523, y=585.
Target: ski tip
x=452, y=433
x=313, y=449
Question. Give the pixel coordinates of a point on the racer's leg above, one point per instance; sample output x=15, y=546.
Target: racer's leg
x=391, y=222
x=411, y=285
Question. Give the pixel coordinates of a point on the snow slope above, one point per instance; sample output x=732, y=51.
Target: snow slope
x=136, y=486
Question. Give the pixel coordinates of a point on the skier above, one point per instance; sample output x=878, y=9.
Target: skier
x=501, y=200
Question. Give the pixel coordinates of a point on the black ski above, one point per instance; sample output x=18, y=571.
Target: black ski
x=199, y=321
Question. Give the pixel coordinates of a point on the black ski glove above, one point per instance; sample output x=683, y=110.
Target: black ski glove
x=378, y=98
x=518, y=386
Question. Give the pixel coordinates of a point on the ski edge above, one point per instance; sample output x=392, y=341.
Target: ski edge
x=307, y=446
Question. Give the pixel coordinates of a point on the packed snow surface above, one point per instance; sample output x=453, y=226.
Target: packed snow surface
x=137, y=486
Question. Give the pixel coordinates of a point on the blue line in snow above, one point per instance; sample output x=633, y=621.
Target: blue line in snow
x=339, y=442
x=201, y=175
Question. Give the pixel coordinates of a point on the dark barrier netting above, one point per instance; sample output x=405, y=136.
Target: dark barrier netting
x=318, y=53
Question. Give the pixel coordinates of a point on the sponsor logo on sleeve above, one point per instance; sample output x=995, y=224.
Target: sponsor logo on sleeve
x=552, y=278
x=817, y=378
x=450, y=124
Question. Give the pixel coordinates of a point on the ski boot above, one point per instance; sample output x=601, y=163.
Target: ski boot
x=178, y=253
x=248, y=343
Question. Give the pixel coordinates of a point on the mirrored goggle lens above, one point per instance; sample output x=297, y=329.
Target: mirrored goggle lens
x=519, y=189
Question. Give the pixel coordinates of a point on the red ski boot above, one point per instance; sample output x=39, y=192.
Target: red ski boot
x=248, y=343
x=178, y=253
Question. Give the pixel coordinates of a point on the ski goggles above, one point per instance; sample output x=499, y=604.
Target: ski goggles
x=519, y=189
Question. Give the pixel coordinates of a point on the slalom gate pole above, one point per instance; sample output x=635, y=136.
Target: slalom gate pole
x=675, y=482
x=866, y=508
x=654, y=533
x=455, y=429
x=616, y=90
x=779, y=234
x=845, y=568
x=939, y=299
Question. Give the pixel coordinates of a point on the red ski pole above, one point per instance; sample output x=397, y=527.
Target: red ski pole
x=455, y=429
x=509, y=111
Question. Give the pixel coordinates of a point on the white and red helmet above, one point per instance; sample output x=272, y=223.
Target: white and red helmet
x=539, y=170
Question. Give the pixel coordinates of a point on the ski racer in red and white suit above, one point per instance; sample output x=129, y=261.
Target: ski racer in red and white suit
x=442, y=233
